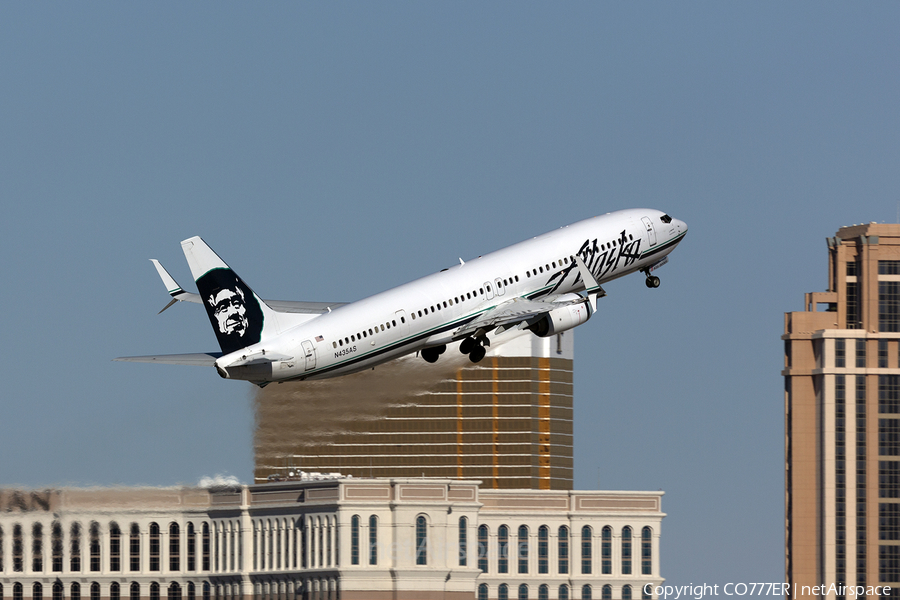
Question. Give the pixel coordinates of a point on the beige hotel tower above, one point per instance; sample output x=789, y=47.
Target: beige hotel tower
x=842, y=419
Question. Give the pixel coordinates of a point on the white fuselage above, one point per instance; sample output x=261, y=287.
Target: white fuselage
x=426, y=312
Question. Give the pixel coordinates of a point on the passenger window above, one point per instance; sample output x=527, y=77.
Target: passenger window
x=445, y=304
x=413, y=315
x=388, y=325
x=382, y=327
x=352, y=338
x=334, y=344
x=432, y=309
x=488, y=287
x=517, y=279
x=420, y=313
x=403, y=319
x=554, y=264
x=394, y=323
x=541, y=269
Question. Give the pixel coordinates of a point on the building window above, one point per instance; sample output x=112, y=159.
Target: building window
x=840, y=395
x=544, y=592
x=115, y=547
x=626, y=551
x=860, y=354
x=523, y=592
x=37, y=591
x=421, y=540
x=95, y=546
x=544, y=550
x=586, y=550
x=483, y=592
x=888, y=522
x=483, y=548
x=205, y=544
x=852, y=303
x=135, y=591
x=18, y=551
x=606, y=551
x=191, y=547
x=888, y=479
x=888, y=437
x=503, y=549
x=75, y=547
x=56, y=547
x=606, y=592
x=861, y=532
x=192, y=591
x=373, y=540
x=175, y=547
x=646, y=551
x=95, y=591
x=463, y=547
x=503, y=592
x=114, y=593
x=154, y=591
x=57, y=590
x=586, y=592
x=889, y=267
x=888, y=563
x=563, y=549
x=522, y=549
x=154, y=547
x=75, y=591
x=626, y=592
x=840, y=353
x=889, y=307
x=17, y=591
x=354, y=540
x=882, y=354
x=174, y=592
x=134, y=550
x=37, y=547
x=889, y=394
x=563, y=592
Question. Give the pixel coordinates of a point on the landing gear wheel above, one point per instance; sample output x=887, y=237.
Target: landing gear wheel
x=466, y=345
x=652, y=281
x=477, y=354
x=430, y=355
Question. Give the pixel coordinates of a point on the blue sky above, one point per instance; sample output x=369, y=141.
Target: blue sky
x=331, y=151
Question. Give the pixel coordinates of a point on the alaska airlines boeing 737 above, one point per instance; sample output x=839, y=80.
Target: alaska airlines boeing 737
x=547, y=285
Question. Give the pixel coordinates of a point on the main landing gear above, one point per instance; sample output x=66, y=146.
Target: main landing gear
x=474, y=347
x=432, y=354
x=652, y=280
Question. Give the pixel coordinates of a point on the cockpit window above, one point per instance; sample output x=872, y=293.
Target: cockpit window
x=666, y=219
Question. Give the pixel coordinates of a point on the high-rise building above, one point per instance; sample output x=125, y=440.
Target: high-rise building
x=842, y=421
x=506, y=421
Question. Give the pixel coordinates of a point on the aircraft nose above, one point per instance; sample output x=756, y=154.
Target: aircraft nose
x=681, y=225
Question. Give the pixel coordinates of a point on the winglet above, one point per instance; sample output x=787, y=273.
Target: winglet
x=175, y=290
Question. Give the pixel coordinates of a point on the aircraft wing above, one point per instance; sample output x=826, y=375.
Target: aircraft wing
x=287, y=306
x=512, y=313
x=204, y=359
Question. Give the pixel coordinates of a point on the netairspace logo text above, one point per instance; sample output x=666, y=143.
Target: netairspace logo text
x=700, y=591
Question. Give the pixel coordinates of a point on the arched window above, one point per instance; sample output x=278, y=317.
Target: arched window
x=134, y=548
x=543, y=550
x=626, y=551
x=75, y=591
x=354, y=540
x=175, y=548
x=463, y=546
x=95, y=591
x=544, y=592
x=115, y=547
x=205, y=546
x=192, y=591
x=562, y=542
x=523, y=592
x=95, y=546
x=503, y=592
x=56, y=547
x=626, y=592
x=58, y=590
x=191, y=547
x=373, y=540
x=421, y=540
x=586, y=592
x=646, y=551
x=483, y=592
x=483, y=548
x=154, y=591
x=206, y=590
x=154, y=548
x=135, y=591
x=503, y=549
x=18, y=551
x=606, y=592
x=37, y=547
x=37, y=591
x=586, y=550
x=563, y=592
x=75, y=547
x=606, y=550
x=646, y=592
x=17, y=591
x=114, y=591
x=522, y=549
x=174, y=592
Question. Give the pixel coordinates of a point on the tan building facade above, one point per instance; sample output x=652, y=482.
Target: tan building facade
x=350, y=539
x=842, y=420
x=506, y=421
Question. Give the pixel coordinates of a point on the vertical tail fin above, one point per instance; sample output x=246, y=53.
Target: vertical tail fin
x=237, y=315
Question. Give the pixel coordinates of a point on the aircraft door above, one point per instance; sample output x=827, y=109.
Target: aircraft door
x=500, y=289
x=651, y=233
x=402, y=323
x=488, y=293
x=309, y=351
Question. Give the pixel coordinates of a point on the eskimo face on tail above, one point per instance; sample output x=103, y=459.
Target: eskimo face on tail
x=233, y=310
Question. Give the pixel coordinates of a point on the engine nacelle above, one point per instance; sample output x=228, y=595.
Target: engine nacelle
x=561, y=319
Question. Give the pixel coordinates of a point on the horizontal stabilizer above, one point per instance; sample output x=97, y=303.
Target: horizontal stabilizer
x=204, y=359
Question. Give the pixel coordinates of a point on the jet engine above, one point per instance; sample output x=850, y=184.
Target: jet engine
x=561, y=319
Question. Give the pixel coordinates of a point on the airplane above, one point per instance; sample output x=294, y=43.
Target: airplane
x=546, y=285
